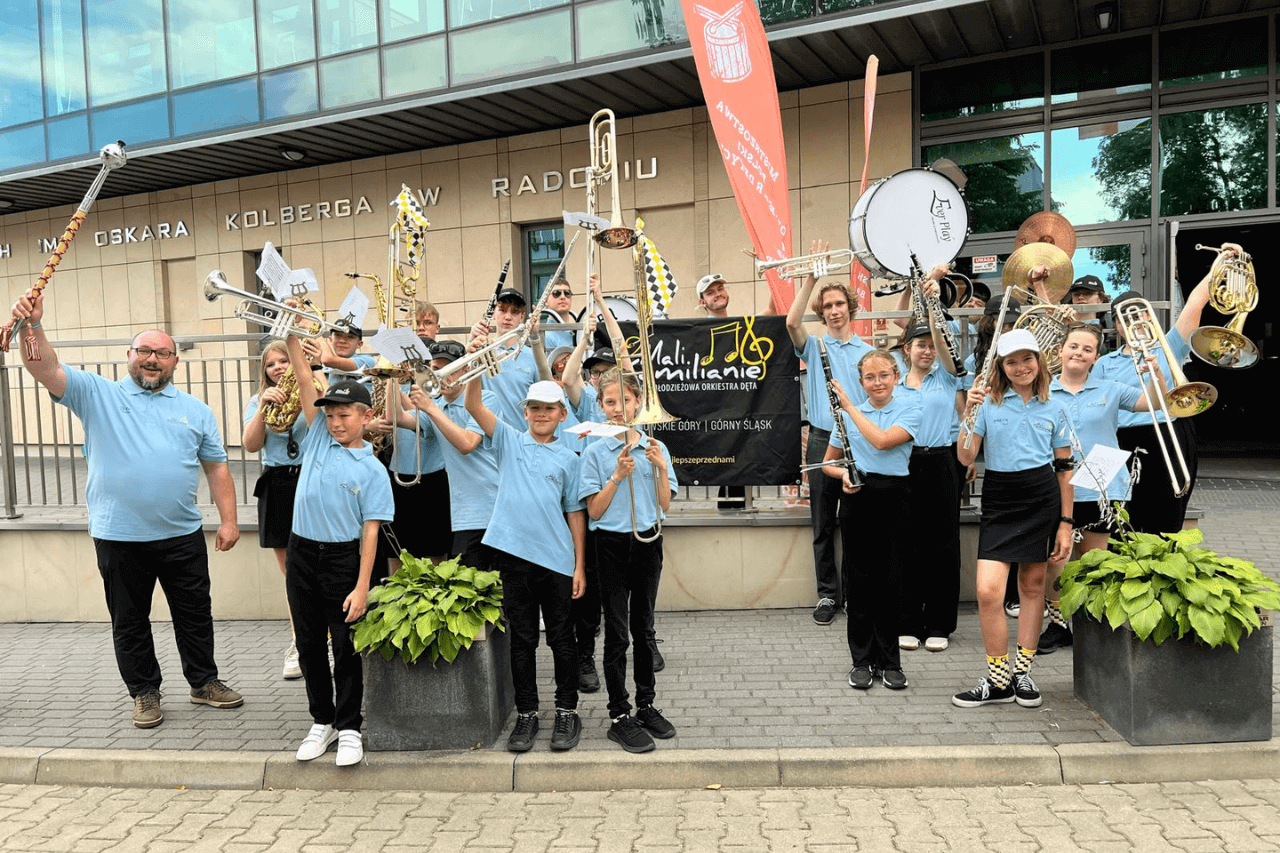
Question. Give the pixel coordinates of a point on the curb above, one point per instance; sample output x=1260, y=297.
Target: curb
x=604, y=770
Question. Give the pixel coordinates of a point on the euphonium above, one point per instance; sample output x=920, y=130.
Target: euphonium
x=1233, y=290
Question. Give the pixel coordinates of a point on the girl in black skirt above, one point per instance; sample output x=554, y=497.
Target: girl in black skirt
x=1026, y=501
x=279, y=480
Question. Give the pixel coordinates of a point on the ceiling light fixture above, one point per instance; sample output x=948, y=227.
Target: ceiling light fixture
x=1106, y=14
x=5, y=203
x=293, y=155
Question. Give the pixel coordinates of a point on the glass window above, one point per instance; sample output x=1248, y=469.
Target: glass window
x=528, y=44
x=404, y=19
x=1101, y=70
x=1213, y=161
x=286, y=32
x=134, y=123
x=1102, y=172
x=346, y=25
x=1006, y=180
x=349, y=80
x=68, y=137
x=210, y=41
x=290, y=93
x=825, y=6
x=20, y=34
x=126, y=49
x=22, y=147
x=463, y=12
x=983, y=87
x=613, y=26
x=543, y=249
x=776, y=11
x=414, y=67
x=63, y=57
x=1216, y=52
x=217, y=107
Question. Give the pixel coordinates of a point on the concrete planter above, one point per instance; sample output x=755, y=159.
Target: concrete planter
x=1179, y=692
x=447, y=706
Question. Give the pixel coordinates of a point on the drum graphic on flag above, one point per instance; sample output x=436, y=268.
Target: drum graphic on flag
x=726, y=44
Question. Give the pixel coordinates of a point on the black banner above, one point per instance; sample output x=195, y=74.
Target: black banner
x=735, y=386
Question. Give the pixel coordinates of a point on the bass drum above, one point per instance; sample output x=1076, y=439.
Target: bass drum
x=623, y=308
x=916, y=210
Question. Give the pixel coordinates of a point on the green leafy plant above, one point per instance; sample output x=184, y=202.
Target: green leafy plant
x=436, y=609
x=1163, y=585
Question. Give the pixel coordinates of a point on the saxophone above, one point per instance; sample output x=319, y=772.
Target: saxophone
x=279, y=417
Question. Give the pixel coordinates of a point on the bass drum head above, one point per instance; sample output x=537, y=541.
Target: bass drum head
x=916, y=210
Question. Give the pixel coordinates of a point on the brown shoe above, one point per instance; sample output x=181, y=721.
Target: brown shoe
x=217, y=694
x=146, y=710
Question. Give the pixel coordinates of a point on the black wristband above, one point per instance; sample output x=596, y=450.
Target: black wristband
x=1067, y=519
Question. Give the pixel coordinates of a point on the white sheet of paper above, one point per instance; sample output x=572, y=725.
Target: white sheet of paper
x=592, y=428
x=399, y=345
x=306, y=278
x=354, y=307
x=1100, y=466
x=586, y=221
x=275, y=272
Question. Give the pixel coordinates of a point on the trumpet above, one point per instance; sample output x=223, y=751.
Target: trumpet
x=1234, y=290
x=1141, y=332
x=817, y=265
x=279, y=319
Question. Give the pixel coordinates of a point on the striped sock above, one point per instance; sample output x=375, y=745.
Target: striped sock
x=1055, y=613
x=1023, y=663
x=998, y=670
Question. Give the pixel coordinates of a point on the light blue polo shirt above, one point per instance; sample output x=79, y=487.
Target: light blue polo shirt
x=510, y=386
x=571, y=419
x=275, y=451
x=363, y=361
x=428, y=458
x=1021, y=436
x=844, y=357
x=473, y=477
x=553, y=338
x=588, y=408
x=1118, y=365
x=340, y=488
x=939, y=423
x=538, y=485
x=902, y=410
x=598, y=463
x=1094, y=411
x=144, y=450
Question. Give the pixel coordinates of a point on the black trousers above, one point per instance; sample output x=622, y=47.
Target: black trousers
x=1154, y=508
x=527, y=589
x=875, y=582
x=827, y=508
x=629, y=571
x=584, y=613
x=129, y=573
x=931, y=581
x=320, y=576
x=472, y=551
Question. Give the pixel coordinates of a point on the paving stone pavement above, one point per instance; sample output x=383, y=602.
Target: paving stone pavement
x=1177, y=817
x=734, y=679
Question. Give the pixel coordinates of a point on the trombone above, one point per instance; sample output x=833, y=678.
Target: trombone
x=1234, y=290
x=604, y=170
x=816, y=265
x=279, y=319
x=1136, y=322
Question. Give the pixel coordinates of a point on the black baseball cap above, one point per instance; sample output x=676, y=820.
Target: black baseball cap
x=992, y=308
x=451, y=350
x=508, y=294
x=600, y=356
x=913, y=331
x=1088, y=282
x=344, y=329
x=344, y=392
x=1127, y=296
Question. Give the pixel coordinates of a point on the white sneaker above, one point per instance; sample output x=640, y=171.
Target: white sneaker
x=937, y=644
x=908, y=643
x=350, y=747
x=317, y=742
x=292, y=669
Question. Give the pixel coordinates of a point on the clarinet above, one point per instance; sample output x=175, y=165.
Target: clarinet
x=493, y=300
x=846, y=461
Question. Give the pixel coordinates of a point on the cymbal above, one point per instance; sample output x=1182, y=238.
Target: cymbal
x=1047, y=227
x=1032, y=255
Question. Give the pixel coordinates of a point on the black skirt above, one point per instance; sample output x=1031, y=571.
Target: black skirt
x=421, y=526
x=275, y=491
x=1020, y=515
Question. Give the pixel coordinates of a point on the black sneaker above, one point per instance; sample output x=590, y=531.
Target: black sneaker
x=567, y=730
x=659, y=662
x=651, y=718
x=626, y=733
x=985, y=693
x=1054, y=637
x=862, y=677
x=825, y=612
x=525, y=732
x=588, y=680
x=893, y=679
x=1024, y=690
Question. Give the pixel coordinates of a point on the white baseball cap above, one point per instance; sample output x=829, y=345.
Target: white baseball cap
x=545, y=391
x=708, y=280
x=1015, y=340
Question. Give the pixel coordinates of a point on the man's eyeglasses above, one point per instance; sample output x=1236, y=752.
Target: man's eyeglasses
x=147, y=352
x=559, y=293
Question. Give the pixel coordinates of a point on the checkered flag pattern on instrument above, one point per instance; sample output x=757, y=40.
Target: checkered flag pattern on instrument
x=659, y=279
x=413, y=221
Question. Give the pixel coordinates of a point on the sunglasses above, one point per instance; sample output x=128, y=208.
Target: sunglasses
x=558, y=293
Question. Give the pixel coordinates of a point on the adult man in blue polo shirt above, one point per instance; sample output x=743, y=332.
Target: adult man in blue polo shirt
x=143, y=440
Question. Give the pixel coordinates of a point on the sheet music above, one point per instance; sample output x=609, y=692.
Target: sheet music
x=274, y=272
x=354, y=307
x=1100, y=467
x=399, y=345
x=587, y=428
